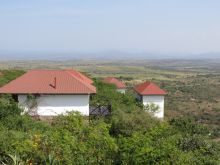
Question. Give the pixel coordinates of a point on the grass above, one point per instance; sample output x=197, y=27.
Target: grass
x=8, y=75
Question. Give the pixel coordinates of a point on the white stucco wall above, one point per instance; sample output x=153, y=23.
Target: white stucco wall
x=121, y=90
x=52, y=105
x=157, y=100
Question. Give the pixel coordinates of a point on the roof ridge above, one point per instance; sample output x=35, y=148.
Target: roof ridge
x=148, y=83
x=89, y=86
x=116, y=81
x=150, y=88
x=82, y=76
x=143, y=83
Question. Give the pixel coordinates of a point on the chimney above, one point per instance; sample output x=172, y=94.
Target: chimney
x=55, y=82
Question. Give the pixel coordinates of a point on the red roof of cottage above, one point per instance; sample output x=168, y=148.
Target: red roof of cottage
x=80, y=75
x=111, y=80
x=149, y=88
x=50, y=82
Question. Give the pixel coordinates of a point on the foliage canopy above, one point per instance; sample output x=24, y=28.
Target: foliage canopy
x=129, y=136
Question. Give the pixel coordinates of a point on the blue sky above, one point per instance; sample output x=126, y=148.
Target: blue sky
x=161, y=26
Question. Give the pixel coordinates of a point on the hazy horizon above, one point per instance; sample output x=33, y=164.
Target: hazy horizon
x=103, y=55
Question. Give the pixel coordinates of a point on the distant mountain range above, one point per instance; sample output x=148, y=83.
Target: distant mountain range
x=105, y=55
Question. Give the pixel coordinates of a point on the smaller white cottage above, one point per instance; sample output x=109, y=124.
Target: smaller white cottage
x=152, y=97
x=121, y=87
x=52, y=92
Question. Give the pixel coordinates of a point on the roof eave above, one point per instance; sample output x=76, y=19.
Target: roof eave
x=153, y=94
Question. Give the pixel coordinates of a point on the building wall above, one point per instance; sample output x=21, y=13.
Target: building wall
x=52, y=105
x=157, y=100
x=121, y=90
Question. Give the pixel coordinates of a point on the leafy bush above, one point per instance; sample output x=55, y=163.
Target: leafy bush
x=128, y=136
x=188, y=125
x=8, y=107
x=126, y=123
x=106, y=93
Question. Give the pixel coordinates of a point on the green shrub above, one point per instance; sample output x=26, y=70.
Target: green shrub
x=8, y=107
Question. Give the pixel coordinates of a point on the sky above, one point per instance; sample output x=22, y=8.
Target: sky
x=159, y=26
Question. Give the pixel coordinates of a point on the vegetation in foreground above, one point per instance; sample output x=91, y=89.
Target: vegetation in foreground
x=128, y=136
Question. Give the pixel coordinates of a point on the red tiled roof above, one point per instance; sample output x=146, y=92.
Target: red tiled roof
x=111, y=80
x=80, y=75
x=149, y=88
x=50, y=82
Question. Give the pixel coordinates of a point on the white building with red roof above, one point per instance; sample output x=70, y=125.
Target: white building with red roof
x=150, y=94
x=55, y=91
x=121, y=87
